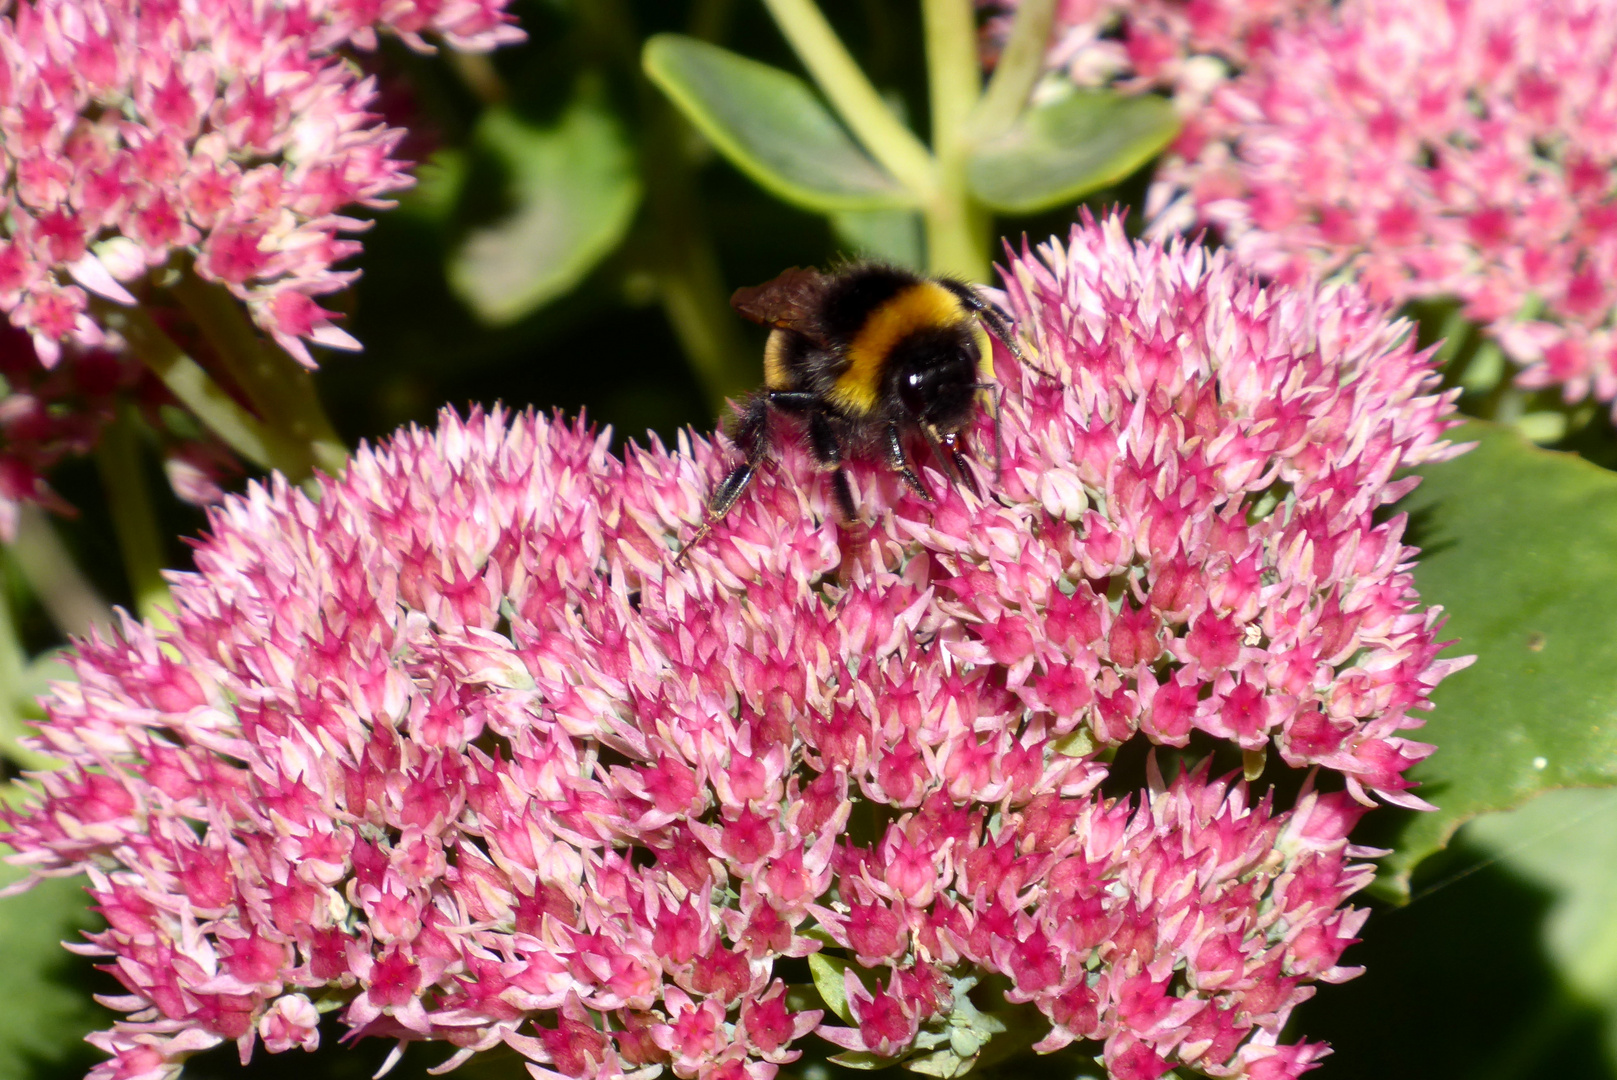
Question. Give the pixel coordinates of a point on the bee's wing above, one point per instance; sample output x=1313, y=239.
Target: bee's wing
x=786, y=303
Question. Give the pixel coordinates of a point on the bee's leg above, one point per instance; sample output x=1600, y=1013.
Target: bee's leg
x=1000, y=327
x=792, y=401
x=842, y=491
x=951, y=446
x=752, y=439
x=900, y=462
x=827, y=450
x=949, y=463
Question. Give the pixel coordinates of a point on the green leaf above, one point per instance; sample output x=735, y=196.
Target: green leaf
x=827, y=972
x=893, y=236
x=1520, y=548
x=945, y=1064
x=1566, y=842
x=1057, y=153
x=859, y=1059
x=45, y=1004
x=573, y=188
x=771, y=126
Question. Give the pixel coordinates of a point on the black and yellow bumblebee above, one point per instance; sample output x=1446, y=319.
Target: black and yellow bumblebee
x=862, y=357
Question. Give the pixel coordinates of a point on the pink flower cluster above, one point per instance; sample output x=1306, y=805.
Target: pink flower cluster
x=1433, y=148
x=48, y=415
x=223, y=128
x=461, y=748
x=1140, y=45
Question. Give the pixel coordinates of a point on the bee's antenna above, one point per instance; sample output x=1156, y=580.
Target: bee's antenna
x=1000, y=327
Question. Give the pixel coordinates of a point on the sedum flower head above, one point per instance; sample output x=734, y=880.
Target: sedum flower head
x=227, y=129
x=1141, y=45
x=1436, y=149
x=460, y=750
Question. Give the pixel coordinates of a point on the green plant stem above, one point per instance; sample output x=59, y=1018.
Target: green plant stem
x=207, y=400
x=1017, y=71
x=953, y=78
x=855, y=99
x=67, y=596
x=281, y=389
x=956, y=227
x=129, y=499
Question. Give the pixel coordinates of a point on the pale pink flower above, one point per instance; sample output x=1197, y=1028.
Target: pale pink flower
x=461, y=742
x=1459, y=149
x=1140, y=45
x=228, y=129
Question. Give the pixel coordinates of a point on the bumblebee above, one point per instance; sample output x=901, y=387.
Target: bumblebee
x=861, y=358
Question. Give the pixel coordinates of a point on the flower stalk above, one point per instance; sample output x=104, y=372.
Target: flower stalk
x=1019, y=67
x=197, y=391
x=118, y=458
x=956, y=226
x=281, y=389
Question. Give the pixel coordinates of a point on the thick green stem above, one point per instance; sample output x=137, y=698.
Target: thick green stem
x=186, y=380
x=956, y=232
x=1017, y=71
x=281, y=389
x=956, y=227
x=67, y=596
x=856, y=101
x=953, y=77
x=129, y=498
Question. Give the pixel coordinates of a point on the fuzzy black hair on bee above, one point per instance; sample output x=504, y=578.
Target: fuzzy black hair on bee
x=862, y=357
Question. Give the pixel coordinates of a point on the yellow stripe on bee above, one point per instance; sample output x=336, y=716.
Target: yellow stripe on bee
x=922, y=305
x=776, y=377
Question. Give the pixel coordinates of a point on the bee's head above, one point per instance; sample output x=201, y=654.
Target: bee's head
x=935, y=376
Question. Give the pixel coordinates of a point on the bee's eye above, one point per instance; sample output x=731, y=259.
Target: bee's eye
x=916, y=392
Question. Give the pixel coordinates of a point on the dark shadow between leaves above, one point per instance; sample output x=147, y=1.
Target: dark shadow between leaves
x=1456, y=985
